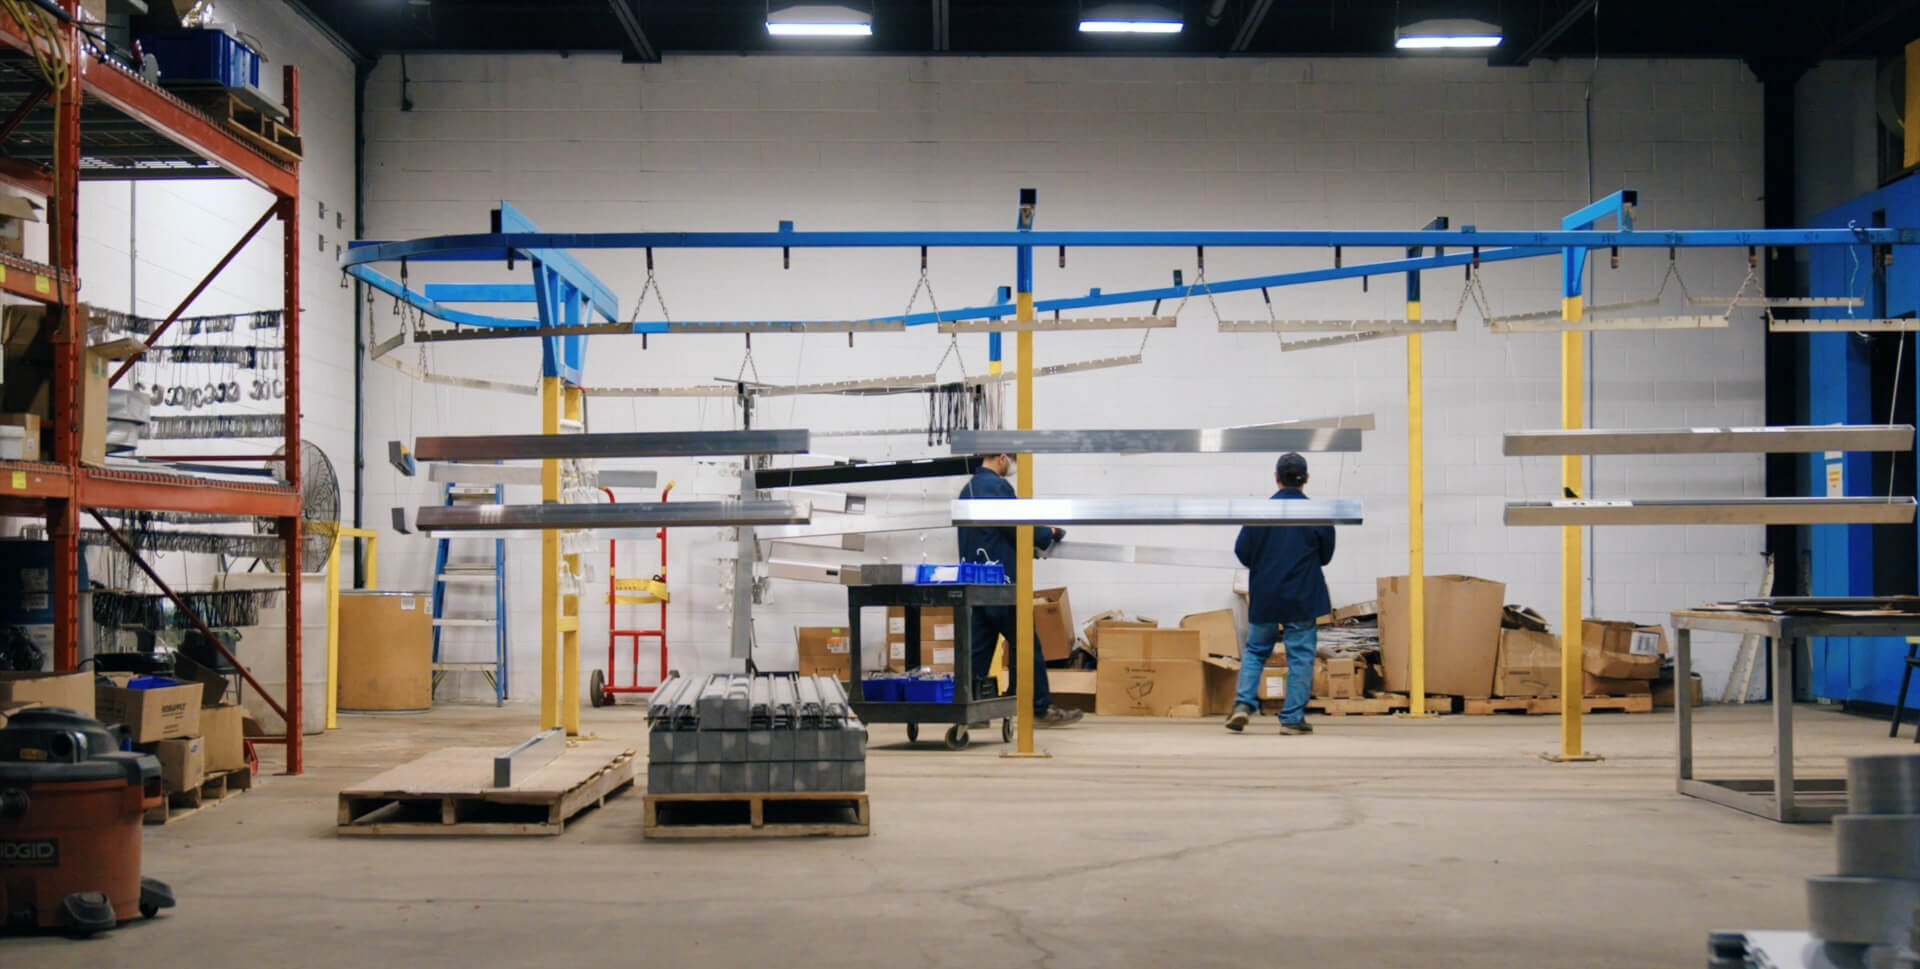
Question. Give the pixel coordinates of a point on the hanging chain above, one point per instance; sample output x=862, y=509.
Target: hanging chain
x=659, y=295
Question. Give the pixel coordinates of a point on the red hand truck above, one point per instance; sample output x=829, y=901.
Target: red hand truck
x=602, y=688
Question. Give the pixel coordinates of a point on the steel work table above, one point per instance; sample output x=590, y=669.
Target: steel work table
x=1782, y=798
x=966, y=708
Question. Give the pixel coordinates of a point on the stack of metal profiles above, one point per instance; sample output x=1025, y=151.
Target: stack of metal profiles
x=777, y=733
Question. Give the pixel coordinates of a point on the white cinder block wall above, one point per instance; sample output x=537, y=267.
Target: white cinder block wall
x=586, y=143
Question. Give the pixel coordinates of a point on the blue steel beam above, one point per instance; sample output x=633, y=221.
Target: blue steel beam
x=1618, y=206
x=487, y=247
x=514, y=225
x=484, y=293
x=392, y=287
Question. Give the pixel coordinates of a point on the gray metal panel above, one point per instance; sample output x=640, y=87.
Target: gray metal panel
x=1156, y=511
x=1715, y=511
x=1150, y=441
x=671, y=514
x=519, y=762
x=1144, y=555
x=1712, y=440
x=638, y=444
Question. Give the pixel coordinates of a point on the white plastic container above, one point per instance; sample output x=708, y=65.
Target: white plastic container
x=13, y=443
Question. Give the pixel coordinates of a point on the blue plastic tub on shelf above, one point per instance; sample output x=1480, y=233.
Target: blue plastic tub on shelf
x=963, y=574
x=883, y=689
x=202, y=57
x=932, y=689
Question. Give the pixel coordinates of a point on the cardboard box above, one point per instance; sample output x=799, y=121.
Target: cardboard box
x=937, y=633
x=1621, y=650
x=29, y=424
x=1273, y=683
x=1591, y=685
x=221, y=731
x=1143, y=643
x=73, y=691
x=1462, y=633
x=1073, y=689
x=160, y=713
x=1528, y=665
x=1053, y=623
x=1340, y=678
x=1219, y=633
x=183, y=763
x=1113, y=618
x=97, y=367
x=823, y=651
x=15, y=213
x=1663, y=692
x=1165, y=687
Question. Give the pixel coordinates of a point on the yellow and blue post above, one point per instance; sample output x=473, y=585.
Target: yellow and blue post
x=1417, y=496
x=1022, y=647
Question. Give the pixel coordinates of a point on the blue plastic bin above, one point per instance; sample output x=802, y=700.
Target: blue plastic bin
x=964, y=574
x=202, y=57
x=931, y=689
x=883, y=689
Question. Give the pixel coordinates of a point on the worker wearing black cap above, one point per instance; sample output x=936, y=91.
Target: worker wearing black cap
x=995, y=545
x=1286, y=596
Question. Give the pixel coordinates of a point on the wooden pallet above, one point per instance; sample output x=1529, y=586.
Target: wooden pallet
x=1550, y=705
x=757, y=816
x=218, y=787
x=264, y=133
x=1375, y=706
x=451, y=792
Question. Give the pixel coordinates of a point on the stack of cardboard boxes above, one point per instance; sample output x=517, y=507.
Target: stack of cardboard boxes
x=1620, y=658
x=181, y=722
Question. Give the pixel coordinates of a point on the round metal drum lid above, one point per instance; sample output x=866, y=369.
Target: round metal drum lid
x=1887, y=784
x=1865, y=911
x=1878, y=845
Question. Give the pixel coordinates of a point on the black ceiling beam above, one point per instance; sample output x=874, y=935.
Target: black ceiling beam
x=637, y=47
x=1846, y=41
x=1250, y=27
x=1504, y=56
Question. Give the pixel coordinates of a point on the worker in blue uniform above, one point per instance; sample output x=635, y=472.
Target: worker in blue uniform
x=996, y=545
x=1286, y=596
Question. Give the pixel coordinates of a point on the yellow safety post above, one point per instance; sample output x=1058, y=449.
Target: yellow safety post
x=1022, y=646
x=1573, y=416
x=570, y=608
x=1911, y=156
x=1416, y=522
x=551, y=400
x=333, y=609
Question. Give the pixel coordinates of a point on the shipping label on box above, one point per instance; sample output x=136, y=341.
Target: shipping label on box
x=1273, y=684
x=943, y=633
x=896, y=625
x=1645, y=642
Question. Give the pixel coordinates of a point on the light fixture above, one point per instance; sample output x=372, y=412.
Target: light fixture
x=818, y=20
x=1130, y=18
x=1447, y=34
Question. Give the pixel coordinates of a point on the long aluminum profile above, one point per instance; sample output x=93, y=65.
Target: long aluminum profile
x=865, y=472
x=1359, y=422
x=465, y=383
x=856, y=525
x=1596, y=311
x=1192, y=558
x=519, y=762
x=673, y=514
x=527, y=474
x=1339, y=340
x=1156, y=511
x=1712, y=440
x=1779, y=302
x=791, y=326
x=1714, y=511
x=1903, y=324
x=1049, y=326
x=1156, y=440
x=643, y=444
x=807, y=572
x=1393, y=327
x=1083, y=366
x=1623, y=324
x=731, y=388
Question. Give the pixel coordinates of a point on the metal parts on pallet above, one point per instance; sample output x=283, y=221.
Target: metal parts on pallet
x=1152, y=441
x=778, y=733
x=641, y=444
x=1156, y=511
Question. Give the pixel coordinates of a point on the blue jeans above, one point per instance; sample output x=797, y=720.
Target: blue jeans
x=1303, y=643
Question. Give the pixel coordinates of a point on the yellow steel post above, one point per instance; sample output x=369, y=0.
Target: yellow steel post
x=551, y=394
x=1022, y=647
x=1572, y=417
x=1416, y=522
x=333, y=609
x=570, y=613
x=1911, y=156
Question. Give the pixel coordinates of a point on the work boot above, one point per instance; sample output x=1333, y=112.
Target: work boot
x=1058, y=717
x=1237, y=720
x=1302, y=727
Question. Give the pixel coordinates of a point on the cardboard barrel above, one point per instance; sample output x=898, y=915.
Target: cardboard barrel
x=386, y=651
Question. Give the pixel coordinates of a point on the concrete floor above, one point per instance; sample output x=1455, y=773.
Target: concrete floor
x=1375, y=842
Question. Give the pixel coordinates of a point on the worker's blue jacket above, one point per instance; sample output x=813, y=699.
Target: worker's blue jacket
x=995, y=544
x=1286, y=583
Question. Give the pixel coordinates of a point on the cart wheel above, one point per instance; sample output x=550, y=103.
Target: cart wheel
x=148, y=911
x=957, y=738
x=597, y=688
x=1006, y=731
x=913, y=733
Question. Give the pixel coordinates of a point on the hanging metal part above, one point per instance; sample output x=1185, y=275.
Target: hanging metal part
x=1622, y=324
x=1712, y=440
x=1863, y=325
x=519, y=474
x=1059, y=368
x=220, y=425
x=856, y=525
x=264, y=547
x=751, y=327
x=865, y=472
x=1193, y=558
x=1343, y=339
x=1048, y=326
x=1383, y=327
x=1358, y=422
x=1156, y=511
x=658, y=514
x=469, y=383
x=1714, y=511
x=1147, y=441
x=1779, y=302
x=496, y=447
x=731, y=388
x=1599, y=309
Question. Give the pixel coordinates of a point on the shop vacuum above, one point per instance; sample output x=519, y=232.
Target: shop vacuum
x=72, y=805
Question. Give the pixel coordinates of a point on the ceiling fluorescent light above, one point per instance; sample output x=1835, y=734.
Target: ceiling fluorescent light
x=1447, y=34
x=819, y=20
x=1130, y=18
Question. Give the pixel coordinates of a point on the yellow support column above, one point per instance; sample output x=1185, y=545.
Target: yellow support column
x=551, y=400
x=1911, y=156
x=1573, y=416
x=570, y=612
x=1023, y=651
x=1416, y=523
x=333, y=609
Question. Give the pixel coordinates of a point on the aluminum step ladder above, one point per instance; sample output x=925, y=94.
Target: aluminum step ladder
x=466, y=574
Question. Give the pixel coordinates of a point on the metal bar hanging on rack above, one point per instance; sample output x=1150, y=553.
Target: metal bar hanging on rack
x=521, y=474
x=201, y=287
x=1904, y=324
x=1384, y=327
x=674, y=514
x=1712, y=440
x=1779, y=302
x=1714, y=511
x=1157, y=440
x=865, y=472
x=1156, y=511
x=1049, y=326
x=216, y=425
x=641, y=444
x=267, y=547
x=226, y=608
x=1622, y=324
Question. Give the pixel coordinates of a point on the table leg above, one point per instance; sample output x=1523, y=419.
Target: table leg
x=963, y=653
x=914, y=658
x=1683, y=700
x=1783, y=652
x=854, y=690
